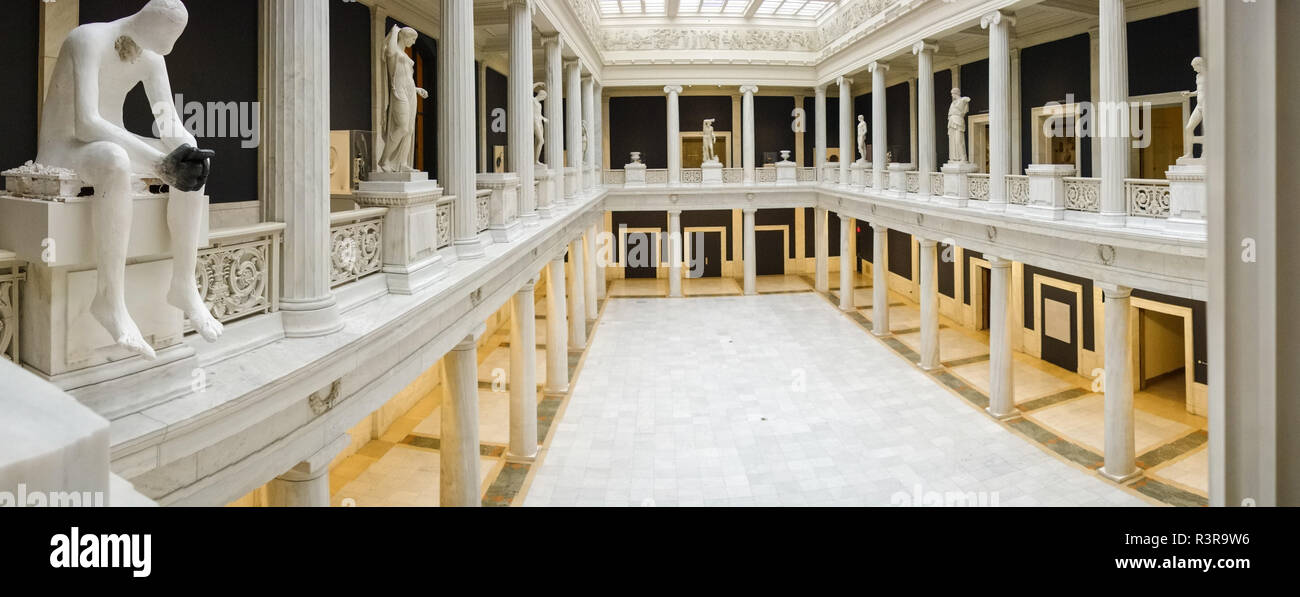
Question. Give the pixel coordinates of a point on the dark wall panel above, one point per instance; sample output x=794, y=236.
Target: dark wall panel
x=900, y=253
x=942, y=98
x=350, y=101
x=639, y=124
x=1160, y=52
x=898, y=130
x=968, y=272
x=1199, y=346
x=495, y=90
x=810, y=131
x=945, y=272
x=778, y=217
x=1051, y=72
x=832, y=122
x=772, y=128
x=1087, y=310
x=975, y=85
x=866, y=242
x=194, y=73
x=20, y=47
x=693, y=109
x=711, y=217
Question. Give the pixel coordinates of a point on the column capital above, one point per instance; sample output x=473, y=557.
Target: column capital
x=926, y=242
x=1111, y=290
x=316, y=465
x=748, y=210
x=550, y=39
x=672, y=89
x=750, y=89
x=878, y=228
x=674, y=212
x=928, y=47
x=878, y=65
x=998, y=262
x=996, y=18
x=470, y=341
x=508, y=3
x=572, y=63
x=843, y=81
x=528, y=286
x=821, y=89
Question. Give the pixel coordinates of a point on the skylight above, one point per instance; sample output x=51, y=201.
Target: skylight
x=714, y=7
x=807, y=9
x=632, y=7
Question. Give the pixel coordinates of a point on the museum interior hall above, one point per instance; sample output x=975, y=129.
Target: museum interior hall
x=650, y=252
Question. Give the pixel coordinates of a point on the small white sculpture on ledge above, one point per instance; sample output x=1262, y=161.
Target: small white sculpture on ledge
x=957, y=127
x=1198, y=113
x=785, y=156
x=81, y=129
x=862, y=139
x=708, y=140
x=396, y=142
x=584, y=137
x=636, y=157
x=539, y=121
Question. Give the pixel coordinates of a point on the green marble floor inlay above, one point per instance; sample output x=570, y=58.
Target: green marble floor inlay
x=1168, y=493
x=1055, y=443
x=506, y=486
x=966, y=361
x=1051, y=399
x=1174, y=449
x=962, y=388
x=433, y=443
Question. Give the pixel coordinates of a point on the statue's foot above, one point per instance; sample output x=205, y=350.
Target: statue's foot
x=121, y=327
x=203, y=321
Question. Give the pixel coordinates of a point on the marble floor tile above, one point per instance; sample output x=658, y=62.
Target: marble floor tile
x=638, y=287
x=711, y=287
x=1191, y=471
x=1082, y=420
x=403, y=476
x=784, y=283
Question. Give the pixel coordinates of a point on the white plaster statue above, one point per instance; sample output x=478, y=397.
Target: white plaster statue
x=584, y=137
x=81, y=129
x=1198, y=114
x=539, y=121
x=397, y=138
x=957, y=126
x=709, y=139
x=862, y=138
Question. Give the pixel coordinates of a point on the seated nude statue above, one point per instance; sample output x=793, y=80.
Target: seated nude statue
x=81, y=129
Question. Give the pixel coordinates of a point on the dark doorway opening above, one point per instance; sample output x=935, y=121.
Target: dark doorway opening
x=1060, y=312
x=769, y=248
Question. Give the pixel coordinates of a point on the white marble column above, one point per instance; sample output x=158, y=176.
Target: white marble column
x=456, y=139
x=295, y=159
x=747, y=132
x=577, y=294
x=848, y=262
x=674, y=135
x=999, y=25
x=458, y=450
x=307, y=484
x=554, y=120
x=589, y=272
x=519, y=106
x=675, y=241
x=602, y=261
x=1002, y=390
x=819, y=128
x=925, y=158
x=821, y=251
x=1120, y=455
x=589, y=118
x=523, y=375
x=751, y=252
x=557, y=335
x=573, y=127
x=848, y=148
x=598, y=132
x=1094, y=71
x=929, y=305
x=879, y=280
x=1015, y=112
x=879, y=153
x=1112, y=114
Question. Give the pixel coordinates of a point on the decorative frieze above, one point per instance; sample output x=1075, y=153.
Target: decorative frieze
x=355, y=248
x=977, y=186
x=1017, y=189
x=731, y=38
x=234, y=279
x=1147, y=197
x=1083, y=194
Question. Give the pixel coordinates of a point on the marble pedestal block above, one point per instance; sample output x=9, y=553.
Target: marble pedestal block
x=545, y=191
x=785, y=173
x=503, y=215
x=861, y=173
x=898, y=178
x=60, y=340
x=410, y=234
x=1047, y=190
x=1187, y=197
x=572, y=183
x=711, y=173
x=634, y=175
x=955, y=192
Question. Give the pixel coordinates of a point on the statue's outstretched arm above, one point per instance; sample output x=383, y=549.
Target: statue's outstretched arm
x=89, y=125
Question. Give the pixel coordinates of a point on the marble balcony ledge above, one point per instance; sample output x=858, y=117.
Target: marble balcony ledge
x=254, y=420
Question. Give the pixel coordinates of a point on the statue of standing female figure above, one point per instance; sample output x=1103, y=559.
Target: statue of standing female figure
x=709, y=139
x=1198, y=113
x=539, y=121
x=957, y=126
x=397, y=139
x=862, y=139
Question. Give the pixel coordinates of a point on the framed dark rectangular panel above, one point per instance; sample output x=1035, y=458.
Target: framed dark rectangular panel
x=20, y=46
x=638, y=124
x=779, y=217
x=1087, y=308
x=769, y=249
x=1057, y=351
x=900, y=253
x=711, y=217
x=945, y=272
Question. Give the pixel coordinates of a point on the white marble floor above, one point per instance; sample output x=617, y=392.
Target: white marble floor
x=778, y=400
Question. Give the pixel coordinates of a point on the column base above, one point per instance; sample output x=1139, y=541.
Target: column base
x=470, y=248
x=531, y=220
x=511, y=231
x=309, y=319
x=409, y=279
x=1116, y=219
x=1124, y=478
x=1002, y=416
x=518, y=459
x=555, y=392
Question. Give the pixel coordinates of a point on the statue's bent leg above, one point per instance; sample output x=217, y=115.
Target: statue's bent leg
x=107, y=167
x=184, y=214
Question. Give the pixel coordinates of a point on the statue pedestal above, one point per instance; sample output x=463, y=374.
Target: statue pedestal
x=410, y=234
x=711, y=173
x=898, y=178
x=859, y=171
x=545, y=199
x=572, y=183
x=503, y=206
x=1047, y=190
x=634, y=175
x=52, y=229
x=785, y=173
x=954, y=183
x=1187, y=196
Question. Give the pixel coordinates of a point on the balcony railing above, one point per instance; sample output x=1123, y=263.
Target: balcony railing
x=238, y=272
x=805, y=175
x=977, y=185
x=1082, y=194
x=912, y=182
x=733, y=175
x=445, y=215
x=1147, y=197
x=357, y=243
x=614, y=177
x=692, y=175
x=656, y=176
x=482, y=209
x=1017, y=189
x=11, y=274
x=764, y=175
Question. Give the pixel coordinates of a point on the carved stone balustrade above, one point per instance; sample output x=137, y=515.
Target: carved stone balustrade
x=1046, y=192
x=503, y=204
